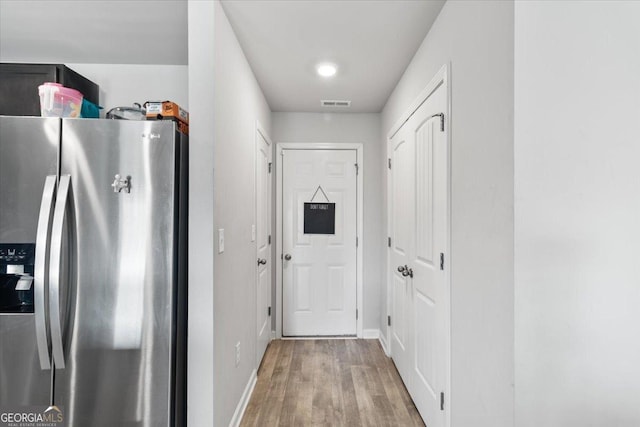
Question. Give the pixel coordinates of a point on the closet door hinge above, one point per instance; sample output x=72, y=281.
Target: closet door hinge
x=389, y=241
x=388, y=320
x=442, y=401
x=270, y=165
x=389, y=163
x=441, y=261
x=356, y=241
x=357, y=168
x=269, y=240
x=269, y=311
x=441, y=115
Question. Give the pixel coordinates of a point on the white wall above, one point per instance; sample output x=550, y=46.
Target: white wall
x=577, y=234
x=365, y=129
x=95, y=32
x=124, y=84
x=237, y=103
x=200, y=353
x=476, y=39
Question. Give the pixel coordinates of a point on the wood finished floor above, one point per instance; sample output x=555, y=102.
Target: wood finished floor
x=329, y=382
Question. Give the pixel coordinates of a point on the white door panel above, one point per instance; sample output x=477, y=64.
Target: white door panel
x=401, y=247
x=418, y=223
x=319, y=281
x=263, y=231
x=429, y=363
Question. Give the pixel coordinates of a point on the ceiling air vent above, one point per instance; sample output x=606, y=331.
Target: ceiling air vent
x=334, y=103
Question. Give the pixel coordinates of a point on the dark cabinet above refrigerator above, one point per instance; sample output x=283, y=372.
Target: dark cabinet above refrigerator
x=19, y=86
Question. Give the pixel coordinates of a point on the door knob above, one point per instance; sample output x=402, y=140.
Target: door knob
x=401, y=269
x=287, y=257
x=262, y=261
x=406, y=271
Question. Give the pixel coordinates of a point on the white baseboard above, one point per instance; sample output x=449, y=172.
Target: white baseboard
x=383, y=343
x=370, y=334
x=244, y=400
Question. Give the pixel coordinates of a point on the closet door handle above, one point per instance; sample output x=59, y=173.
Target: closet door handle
x=406, y=271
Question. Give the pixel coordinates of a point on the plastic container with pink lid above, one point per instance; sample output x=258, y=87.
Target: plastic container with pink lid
x=59, y=101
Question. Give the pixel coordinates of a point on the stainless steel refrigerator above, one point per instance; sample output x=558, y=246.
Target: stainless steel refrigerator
x=93, y=228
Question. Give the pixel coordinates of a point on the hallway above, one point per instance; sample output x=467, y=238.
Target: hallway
x=329, y=382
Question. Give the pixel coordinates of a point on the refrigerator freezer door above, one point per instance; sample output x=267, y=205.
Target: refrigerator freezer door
x=119, y=289
x=28, y=153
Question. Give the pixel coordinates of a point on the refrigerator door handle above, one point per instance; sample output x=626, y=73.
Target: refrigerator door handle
x=55, y=270
x=40, y=278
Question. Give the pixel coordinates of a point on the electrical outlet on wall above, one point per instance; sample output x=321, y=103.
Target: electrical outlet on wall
x=238, y=353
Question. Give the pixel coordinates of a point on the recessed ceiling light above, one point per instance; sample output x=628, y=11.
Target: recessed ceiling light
x=326, y=70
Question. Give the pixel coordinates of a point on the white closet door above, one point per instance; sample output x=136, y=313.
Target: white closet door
x=418, y=222
x=402, y=241
x=429, y=334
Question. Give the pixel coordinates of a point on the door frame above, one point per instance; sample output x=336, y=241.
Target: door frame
x=358, y=147
x=442, y=77
x=260, y=130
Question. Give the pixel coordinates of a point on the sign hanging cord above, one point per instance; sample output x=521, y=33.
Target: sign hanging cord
x=323, y=193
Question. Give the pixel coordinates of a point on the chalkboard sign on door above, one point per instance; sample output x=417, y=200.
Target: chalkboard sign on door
x=319, y=218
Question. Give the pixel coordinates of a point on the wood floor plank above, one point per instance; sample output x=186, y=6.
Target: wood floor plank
x=337, y=395
x=274, y=398
x=351, y=415
x=288, y=414
x=395, y=393
x=329, y=383
x=322, y=413
x=252, y=413
x=304, y=396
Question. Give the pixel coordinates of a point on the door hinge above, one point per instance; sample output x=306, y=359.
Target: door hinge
x=269, y=240
x=270, y=165
x=356, y=314
x=269, y=311
x=441, y=115
x=357, y=168
x=389, y=163
x=356, y=242
x=441, y=261
x=442, y=401
x=389, y=241
x=388, y=320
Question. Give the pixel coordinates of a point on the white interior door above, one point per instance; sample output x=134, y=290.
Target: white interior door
x=419, y=230
x=430, y=306
x=263, y=242
x=319, y=270
x=402, y=240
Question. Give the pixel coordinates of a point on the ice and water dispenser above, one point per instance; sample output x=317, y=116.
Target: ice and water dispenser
x=16, y=277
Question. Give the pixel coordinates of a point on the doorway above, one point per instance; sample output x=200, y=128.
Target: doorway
x=319, y=229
